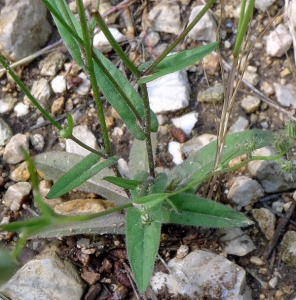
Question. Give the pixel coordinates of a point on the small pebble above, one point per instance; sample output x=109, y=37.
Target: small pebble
x=256, y=261
x=21, y=109
x=182, y=251
x=273, y=282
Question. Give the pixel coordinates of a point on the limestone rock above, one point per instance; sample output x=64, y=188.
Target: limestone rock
x=37, y=141
x=202, y=272
x=174, y=149
x=21, y=109
x=239, y=125
x=5, y=133
x=285, y=94
x=186, y=122
x=266, y=221
x=101, y=42
x=263, y=4
x=245, y=191
x=21, y=173
x=24, y=28
x=82, y=133
x=7, y=103
x=165, y=17
x=196, y=143
x=41, y=91
x=16, y=195
x=45, y=277
x=58, y=84
x=13, y=151
x=205, y=29
x=84, y=87
x=169, y=93
x=288, y=247
x=250, y=104
x=57, y=106
x=52, y=63
x=279, y=41
x=213, y=94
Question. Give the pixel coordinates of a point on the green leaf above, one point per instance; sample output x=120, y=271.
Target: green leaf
x=110, y=91
x=55, y=164
x=201, y=163
x=81, y=172
x=198, y=211
x=150, y=201
x=178, y=61
x=142, y=239
x=138, y=158
x=159, y=183
x=123, y=182
x=8, y=265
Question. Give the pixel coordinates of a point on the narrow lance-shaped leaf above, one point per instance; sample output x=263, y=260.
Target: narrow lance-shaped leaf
x=178, y=61
x=198, y=211
x=81, y=172
x=123, y=182
x=142, y=239
x=110, y=91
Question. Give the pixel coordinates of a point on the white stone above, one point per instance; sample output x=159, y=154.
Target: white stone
x=245, y=191
x=165, y=17
x=153, y=38
x=270, y=174
x=16, y=194
x=175, y=150
x=7, y=103
x=123, y=168
x=82, y=133
x=279, y=41
x=202, y=272
x=24, y=28
x=52, y=63
x=251, y=77
x=186, y=122
x=5, y=133
x=239, y=125
x=196, y=143
x=83, y=88
x=266, y=221
x=205, y=29
x=13, y=152
x=250, y=104
x=236, y=241
x=41, y=91
x=21, y=109
x=169, y=93
x=100, y=41
x=285, y=94
x=37, y=141
x=47, y=276
x=58, y=84
x=263, y=4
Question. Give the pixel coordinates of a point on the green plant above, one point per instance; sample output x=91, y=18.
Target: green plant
x=149, y=199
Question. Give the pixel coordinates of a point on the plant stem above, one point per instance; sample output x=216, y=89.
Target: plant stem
x=100, y=21
x=180, y=37
x=92, y=75
x=147, y=132
x=28, y=94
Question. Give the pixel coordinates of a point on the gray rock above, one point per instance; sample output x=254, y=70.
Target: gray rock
x=285, y=94
x=266, y=221
x=236, y=241
x=288, y=247
x=37, y=141
x=169, y=93
x=165, y=17
x=239, y=125
x=45, y=277
x=82, y=133
x=52, y=63
x=213, y=94
x=245, y=191
x=7, y=103
x=200, y=273
x=251, y=77
x=250, y=104
x=205, y=29
x=41, y=91
x=5, y=133
x=13, y=151
x=270, y=174
x=153, y=38
x=279, y=41
x=16, y=195
x=196, y=143
x=263, y=4
x=24, y=28
x=267, y=88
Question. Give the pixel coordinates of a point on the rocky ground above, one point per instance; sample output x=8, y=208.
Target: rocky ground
x=96, y=265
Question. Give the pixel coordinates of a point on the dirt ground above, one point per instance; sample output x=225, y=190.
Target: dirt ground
x=110, y=260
